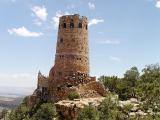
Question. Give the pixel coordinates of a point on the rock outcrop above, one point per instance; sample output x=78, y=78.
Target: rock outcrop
x=68, y=109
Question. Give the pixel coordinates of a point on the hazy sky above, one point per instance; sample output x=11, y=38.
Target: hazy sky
x=122, y=34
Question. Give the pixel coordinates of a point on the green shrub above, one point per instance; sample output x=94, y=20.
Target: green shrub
x=109, y=110
x=47, y=111
x=73, y=95
x=88, y=113
x=20, y=113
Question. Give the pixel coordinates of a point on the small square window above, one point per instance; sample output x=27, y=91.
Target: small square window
x=80, y=25
x=61, y=40
x=86, y=27
x=64, y=25
x=71, y=25
x=60, y=73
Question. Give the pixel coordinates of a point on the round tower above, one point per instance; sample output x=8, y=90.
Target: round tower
x=72, y=51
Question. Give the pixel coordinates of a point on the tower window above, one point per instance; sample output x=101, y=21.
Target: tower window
x=73, y=40
x=61, y=40
x=59, y=73
x=86, y=27
x=64, y=25
x=71, y=25
x=80, y=25
x=59, y=26
x=44, y=89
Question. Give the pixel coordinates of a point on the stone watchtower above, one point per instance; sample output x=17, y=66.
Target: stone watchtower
x=70, y=71
x=71, y=68
x=72, y=52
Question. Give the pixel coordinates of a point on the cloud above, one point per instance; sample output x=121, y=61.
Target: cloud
x=40, y=13
x=111, y=42
x=114, y=58
x=95, y=21
x=91, y=6
x=158, y=4
x=55, y=19
x=18, y=79
x=24, y=32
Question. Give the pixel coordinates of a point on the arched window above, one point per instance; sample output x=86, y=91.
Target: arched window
x=80, y=25
x=86, y=27
x=64, y=25
x=71, y=25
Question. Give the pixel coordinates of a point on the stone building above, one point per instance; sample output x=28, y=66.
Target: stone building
x=70, y=71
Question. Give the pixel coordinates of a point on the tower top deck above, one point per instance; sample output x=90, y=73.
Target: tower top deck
x=74, y=17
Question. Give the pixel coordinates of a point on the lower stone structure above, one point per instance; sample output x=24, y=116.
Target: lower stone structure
x=91, y=89
x=88, y=88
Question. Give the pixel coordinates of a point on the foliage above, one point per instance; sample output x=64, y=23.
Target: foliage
x=148, y=89
x=40, y=111
x=25, y=100
x=109, y=109
x=144, y=87
x=126, y=109
x=109, y=82
x=148, y=117
x=132, y=76
x=124, y=87
x=47, y=111
x=73, y=95
x=88, y=113
x=20, y=113
x=3, y=113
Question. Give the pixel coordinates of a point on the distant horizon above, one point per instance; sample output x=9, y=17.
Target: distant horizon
x=14, y=91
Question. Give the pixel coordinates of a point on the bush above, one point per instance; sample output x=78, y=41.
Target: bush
x=20, y=113
x=73, y=95
x=109, y=110
x=47, y=111
x=40, y=111
x=88, y=113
